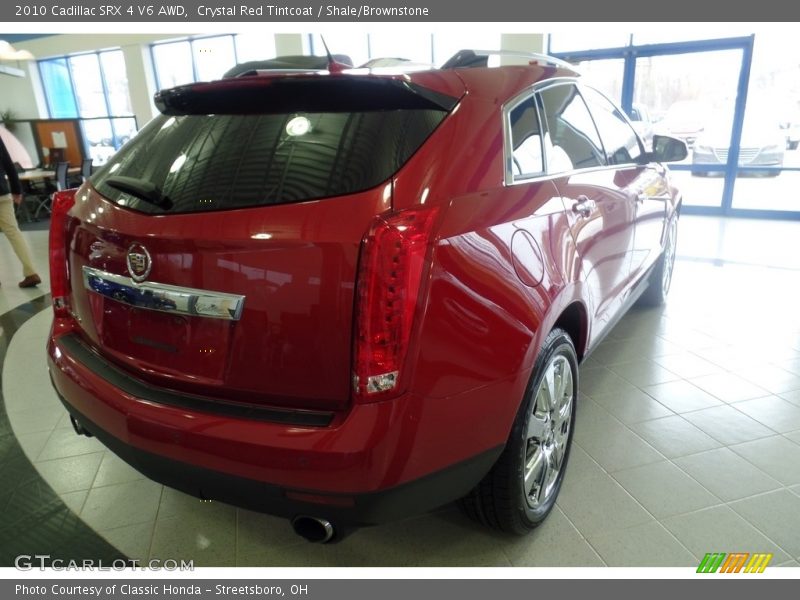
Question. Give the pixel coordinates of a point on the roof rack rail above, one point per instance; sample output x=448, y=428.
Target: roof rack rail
x=286, y=64
x=480, y=58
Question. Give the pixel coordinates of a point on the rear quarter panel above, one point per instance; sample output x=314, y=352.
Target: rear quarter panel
x=503, y=268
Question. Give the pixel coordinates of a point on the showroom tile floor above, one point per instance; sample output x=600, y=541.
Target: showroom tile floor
x=687, y=439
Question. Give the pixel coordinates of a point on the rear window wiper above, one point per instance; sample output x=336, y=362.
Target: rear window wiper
x=146, y=190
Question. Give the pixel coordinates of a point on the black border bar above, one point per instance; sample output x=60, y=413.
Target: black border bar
x=392, y=11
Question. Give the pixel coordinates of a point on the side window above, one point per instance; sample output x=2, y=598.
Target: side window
x=572, y=141
x=619, y=138
x=526, y=140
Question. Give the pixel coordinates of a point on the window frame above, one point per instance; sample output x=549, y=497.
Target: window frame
x=47, y=95
x=626, y=119
x=602, y=147
x=508, y=175
x=191, y=39
x=109, y=116
x=508, y=141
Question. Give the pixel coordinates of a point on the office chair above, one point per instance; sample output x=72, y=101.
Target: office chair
x=46, y=202
x=86, y=168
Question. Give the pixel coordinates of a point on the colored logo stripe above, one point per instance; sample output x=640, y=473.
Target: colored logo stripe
x=734, y=562
x=758, y=563
x=711, y=562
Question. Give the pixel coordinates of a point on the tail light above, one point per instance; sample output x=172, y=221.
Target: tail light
x=390, y=273
x=59, y=268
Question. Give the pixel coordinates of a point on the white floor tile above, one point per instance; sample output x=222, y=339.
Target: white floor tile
x=210, y=542
x=718, y=527
x=793, y=397
x=776, y=515
x=114, y=470
x=133, y=540
x=688, y=365
x=648, y=545
x=729, y=387
x=632, y=406
x=674, y=436
x=727, y=425
x=609, y=442
x=772, y=378
x=71, y=474
x=644, y=372
x=123, y=504
x=556, y=543
x=664, y=490
x=776, y=413
x=681, y=396
x=598, y=503
x=726, y=475
x=602, y=380
x=776, y=456
x=65, y=442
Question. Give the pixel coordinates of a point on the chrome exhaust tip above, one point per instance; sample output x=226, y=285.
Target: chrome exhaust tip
x=313, y=529
x=79, y=429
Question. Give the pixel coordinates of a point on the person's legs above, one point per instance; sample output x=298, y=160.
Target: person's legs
x=8, y=225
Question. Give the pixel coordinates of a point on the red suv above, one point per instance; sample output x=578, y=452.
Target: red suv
x=349, y=296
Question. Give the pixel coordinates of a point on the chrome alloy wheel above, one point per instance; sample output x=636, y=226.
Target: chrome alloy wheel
x=548, y=431
x=669, y=255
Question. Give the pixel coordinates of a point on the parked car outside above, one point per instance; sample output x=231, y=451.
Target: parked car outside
x=762, y=144
x=642, y=123
x=685, y=120
x=350, y=297
x=791, y=127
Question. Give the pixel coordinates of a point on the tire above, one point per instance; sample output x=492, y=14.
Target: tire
x=660, y=277
x=537, y=449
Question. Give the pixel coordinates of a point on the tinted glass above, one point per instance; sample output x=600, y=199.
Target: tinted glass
x=571, y=141
x=173, y=64
x=218, y=162
x=526, y=140
x=619, y=138
x=58, y=86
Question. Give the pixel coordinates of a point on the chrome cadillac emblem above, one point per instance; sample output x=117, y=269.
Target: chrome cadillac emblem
x=139, y=263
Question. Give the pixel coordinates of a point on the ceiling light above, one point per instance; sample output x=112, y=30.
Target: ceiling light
x=8, y=52
x=298, y=126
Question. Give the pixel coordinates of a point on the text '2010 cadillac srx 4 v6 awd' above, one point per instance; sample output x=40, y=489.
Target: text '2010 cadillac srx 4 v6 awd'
x=345, y=296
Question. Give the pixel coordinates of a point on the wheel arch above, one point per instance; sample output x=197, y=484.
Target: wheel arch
x=574, y=320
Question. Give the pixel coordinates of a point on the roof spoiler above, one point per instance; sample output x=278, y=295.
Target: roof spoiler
x=300, y=93
x=469, y=59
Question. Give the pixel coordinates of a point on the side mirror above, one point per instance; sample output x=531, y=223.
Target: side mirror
x=668, y=149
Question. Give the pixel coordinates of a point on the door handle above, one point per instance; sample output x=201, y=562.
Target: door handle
x=584, y=206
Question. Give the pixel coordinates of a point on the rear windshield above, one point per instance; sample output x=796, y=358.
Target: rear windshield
x=218, y=162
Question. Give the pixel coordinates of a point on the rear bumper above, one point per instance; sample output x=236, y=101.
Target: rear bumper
x=380, y=462
x=357, y=510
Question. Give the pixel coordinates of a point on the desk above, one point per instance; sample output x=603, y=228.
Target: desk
x=34, y=175
x=41, y=195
